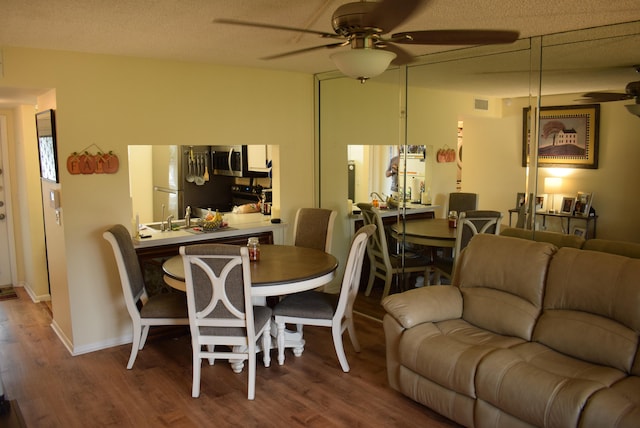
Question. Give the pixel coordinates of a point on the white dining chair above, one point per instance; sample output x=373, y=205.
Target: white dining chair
x=145, y=311
x=327, y=310
x=470, y=223
x=223, y=321
x=384, y=264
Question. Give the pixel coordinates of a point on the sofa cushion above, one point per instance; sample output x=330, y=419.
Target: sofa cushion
x=556, y=238
x=502, y=283
x=592, y=307
x=622, y=248
x=617, y=406
x=449, y=352
x=540, y=386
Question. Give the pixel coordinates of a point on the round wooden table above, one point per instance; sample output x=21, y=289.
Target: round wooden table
x=282, y=269
x=431, y=232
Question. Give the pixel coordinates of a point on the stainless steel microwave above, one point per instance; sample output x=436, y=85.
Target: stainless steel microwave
x=232, y=161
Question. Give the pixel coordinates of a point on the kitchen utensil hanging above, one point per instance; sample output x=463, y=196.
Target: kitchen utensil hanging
x=190, y=177
x=199, y=180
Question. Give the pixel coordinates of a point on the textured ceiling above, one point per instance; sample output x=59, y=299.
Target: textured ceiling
x=183, y=30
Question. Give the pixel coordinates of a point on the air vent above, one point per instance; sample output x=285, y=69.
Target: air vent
x=481, y=104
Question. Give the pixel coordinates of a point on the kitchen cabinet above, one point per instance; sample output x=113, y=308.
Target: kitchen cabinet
x=257, y=158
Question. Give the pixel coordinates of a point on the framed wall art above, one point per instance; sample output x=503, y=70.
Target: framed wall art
x=567, y=137
x=46, y=131
x=540, y=203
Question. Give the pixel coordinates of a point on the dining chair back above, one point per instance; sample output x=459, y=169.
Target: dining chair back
x=460, y=202
x=145, y=311
x=221, y=313
x=313, y=228
x=321, y=309
x=470, y=223
x=382, y=263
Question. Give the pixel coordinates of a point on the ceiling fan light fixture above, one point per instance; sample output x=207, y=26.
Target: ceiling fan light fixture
x=362, y=64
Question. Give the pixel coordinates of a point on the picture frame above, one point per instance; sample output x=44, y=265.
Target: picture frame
x=568, y=205
x=579, y=231
x=568, y=137
x=583, y=203
x=520, y=200
x=541, y=203
x=47, y=145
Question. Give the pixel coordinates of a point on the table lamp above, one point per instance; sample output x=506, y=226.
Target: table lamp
x=552, y=185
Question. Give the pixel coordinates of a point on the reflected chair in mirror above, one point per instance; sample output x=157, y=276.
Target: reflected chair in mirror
x=327, y=310
x=224, y=322
x=145, y=311
x=460, y=202
x=470, y=223
x=313, y=228
x=384, y=264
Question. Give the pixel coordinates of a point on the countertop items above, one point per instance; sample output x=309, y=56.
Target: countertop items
x=238, y=225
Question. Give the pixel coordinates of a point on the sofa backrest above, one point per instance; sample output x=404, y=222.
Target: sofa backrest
x=502, y=283
x=592, y=308
x=556, y=238
x=623, y=248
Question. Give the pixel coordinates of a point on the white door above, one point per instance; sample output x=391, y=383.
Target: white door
x=5, y=255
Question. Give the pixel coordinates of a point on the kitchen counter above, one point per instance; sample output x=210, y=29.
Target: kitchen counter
x=391, y=212
x=238, y=225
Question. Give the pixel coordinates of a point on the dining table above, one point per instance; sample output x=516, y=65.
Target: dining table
x=430, y=232
x=281, y=270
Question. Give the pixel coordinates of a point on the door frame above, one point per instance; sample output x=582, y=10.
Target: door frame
x=4, y=146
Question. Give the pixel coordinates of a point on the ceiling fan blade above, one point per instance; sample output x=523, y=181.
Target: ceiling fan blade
x=456, y=37
x=603, y=97
x=391, y=13
x=313, y=48
x=274, y=27
x=402, y=57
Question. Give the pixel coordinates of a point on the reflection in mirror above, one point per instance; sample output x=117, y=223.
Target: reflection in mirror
x=378, y=172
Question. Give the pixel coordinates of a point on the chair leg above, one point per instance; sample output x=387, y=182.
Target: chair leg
x=372, y=277
x=251, y=393
x=211, y=348
x=352, y=334
x=145, y=333
x=387, y=284
x=195, y=388
x=336, y=332
x=135, y=346
x=266, y=347
x=280, y=339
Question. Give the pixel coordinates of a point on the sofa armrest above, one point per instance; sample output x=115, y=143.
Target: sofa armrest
x=425, y=304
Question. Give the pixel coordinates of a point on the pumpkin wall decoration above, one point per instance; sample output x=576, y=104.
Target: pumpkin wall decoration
x=87, y=163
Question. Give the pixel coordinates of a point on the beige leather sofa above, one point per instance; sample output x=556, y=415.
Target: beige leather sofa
x=526, y=335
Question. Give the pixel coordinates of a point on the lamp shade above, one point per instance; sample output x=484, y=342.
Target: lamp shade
x=363, y=63
x=552, y=185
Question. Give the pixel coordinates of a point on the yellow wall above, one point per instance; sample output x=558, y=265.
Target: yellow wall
x=113, y=102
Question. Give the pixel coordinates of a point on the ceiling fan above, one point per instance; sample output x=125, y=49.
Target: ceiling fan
x=631, y=92
x=364, y=25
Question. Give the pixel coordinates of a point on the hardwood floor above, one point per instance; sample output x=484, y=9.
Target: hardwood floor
x=55, y=389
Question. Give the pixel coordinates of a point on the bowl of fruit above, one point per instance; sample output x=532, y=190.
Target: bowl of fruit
x=212, y=221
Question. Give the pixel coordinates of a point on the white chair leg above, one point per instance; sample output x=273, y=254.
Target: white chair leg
x=372, y=277
x=251, y=393
x=211, y=348
x=337, y=344
x=135, y=346
x=145, y=333
x=352, y=334
x=195, y=388
x=387, y=284
x=280, y=340
x=266, y=347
